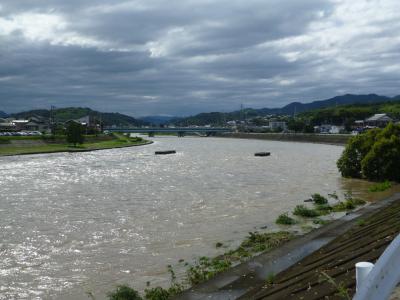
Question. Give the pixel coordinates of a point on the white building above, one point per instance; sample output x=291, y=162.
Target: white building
x=275, y=125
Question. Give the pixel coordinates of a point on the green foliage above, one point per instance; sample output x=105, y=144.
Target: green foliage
x=319, y=221
x=374, y=155
x=206, y=268
x=342, y=290
x=349, y=163
x=74, y=133
x=361, y=222
x=72, y=113
x=271, y=278
x=157, y=293
x=124, y=292
x=284, y=219
x=333, y=195
x=303, y=211
x=383, y=161
x=349, y=204
x=218, y=245
x=300, y=125
x=256, y=242
x=318, y=199
x=381, y=186
x=323, y=209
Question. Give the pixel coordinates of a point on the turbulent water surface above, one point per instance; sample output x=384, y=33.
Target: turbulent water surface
x=72, y=223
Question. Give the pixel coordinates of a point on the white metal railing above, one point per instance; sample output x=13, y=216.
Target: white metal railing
x=376, y=282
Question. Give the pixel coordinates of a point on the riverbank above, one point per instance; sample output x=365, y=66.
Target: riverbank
x=332, y=139
x=37, y=145
x=154, y=210
x=294, y=269
x=301, y=227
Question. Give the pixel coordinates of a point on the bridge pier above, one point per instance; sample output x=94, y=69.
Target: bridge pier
x=181, y=133
x=150, y=134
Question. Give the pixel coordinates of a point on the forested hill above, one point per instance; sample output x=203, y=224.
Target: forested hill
x=290, y=109
x=343, y=114
x=65, y=114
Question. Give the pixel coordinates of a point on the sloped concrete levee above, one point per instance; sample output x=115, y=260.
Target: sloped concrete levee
x=319, y=265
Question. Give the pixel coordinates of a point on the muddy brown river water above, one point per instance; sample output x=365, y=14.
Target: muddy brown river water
x=72, y=223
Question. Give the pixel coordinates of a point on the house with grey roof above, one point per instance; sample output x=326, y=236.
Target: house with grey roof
x=378, y=120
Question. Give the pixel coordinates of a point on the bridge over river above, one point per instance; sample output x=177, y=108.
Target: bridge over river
x=181, y=131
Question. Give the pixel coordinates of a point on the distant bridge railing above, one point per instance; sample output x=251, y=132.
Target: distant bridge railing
x=179, y=130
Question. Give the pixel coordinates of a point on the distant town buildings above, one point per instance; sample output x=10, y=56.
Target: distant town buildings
x=277, y=125
x=378, y=120
x=327, y=128
x=43, y=125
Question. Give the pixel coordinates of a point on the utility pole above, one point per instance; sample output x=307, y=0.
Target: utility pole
x=52, y=120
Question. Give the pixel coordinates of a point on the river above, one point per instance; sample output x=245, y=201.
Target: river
x=73, y=223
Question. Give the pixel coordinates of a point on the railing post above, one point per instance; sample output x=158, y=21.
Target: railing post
x=384, y=276
x=362, y=271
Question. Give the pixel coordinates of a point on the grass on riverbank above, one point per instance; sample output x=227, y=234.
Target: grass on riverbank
x=118, y=142
x=380, y=186
x=255, y=243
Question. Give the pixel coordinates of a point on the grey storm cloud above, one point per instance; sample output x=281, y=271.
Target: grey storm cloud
x=182, y=57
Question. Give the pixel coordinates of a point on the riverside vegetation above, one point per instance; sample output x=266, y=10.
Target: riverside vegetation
x=321, y=207
x=11, y=145
x=255, y=243
x=374, y=155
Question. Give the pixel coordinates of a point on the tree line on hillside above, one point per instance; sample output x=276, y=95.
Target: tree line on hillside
x=341, y=115
x=72, y=113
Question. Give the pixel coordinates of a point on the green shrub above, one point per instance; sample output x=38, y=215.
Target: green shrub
x=319, y=221
x=303, y=211
x=74, y=133
x=361, y=222
x=374, y=155
x=323, y=209
x=381, y=186
x=383, y=160
x=124, y=292
x=206, y=268
x=358, y=201
x=157, y=293
x=284, y=219
x=318, y=199
x=271, y=278
x=218, y=245
x=333, y=196
x=348, y=204
x=349, y=163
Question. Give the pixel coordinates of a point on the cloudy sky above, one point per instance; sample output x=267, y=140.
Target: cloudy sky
x=180, y=57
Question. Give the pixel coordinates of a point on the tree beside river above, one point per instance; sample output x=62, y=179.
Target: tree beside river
x=374, y=155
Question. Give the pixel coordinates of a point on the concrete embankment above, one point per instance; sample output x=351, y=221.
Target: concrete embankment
x=335, y=139
x=298, y=267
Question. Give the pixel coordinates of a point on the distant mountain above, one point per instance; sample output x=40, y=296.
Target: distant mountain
x=70, y=113
x=296, y=107
x=3, y=114
x=157, y=120
x=290, y=109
